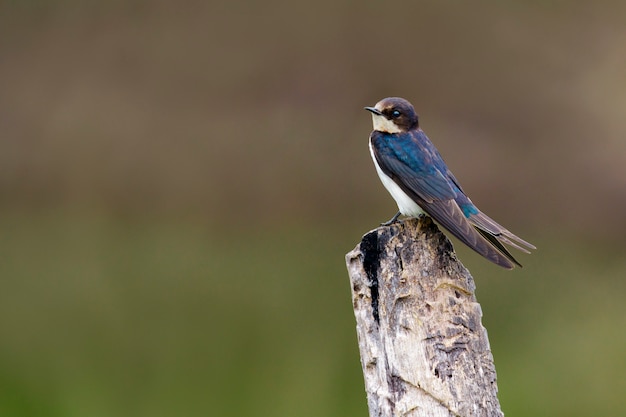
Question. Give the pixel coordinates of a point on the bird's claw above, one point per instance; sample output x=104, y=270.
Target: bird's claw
x=392, y=220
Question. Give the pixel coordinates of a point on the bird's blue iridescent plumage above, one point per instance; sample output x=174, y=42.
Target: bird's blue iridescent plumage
x=426, y=167
x=417, y=161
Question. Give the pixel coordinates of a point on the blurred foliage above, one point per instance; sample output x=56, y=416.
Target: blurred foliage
x=233, y=107
x=179, y=182
x=128, y=317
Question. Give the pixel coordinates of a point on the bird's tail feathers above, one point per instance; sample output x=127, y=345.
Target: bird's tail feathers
x=486, y=224
x=450, y=216
x=499, y=246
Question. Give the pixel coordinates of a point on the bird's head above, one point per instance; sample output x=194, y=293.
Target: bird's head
x=393, y=115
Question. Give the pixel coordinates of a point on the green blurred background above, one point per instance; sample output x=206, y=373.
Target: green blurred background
x=180, y=181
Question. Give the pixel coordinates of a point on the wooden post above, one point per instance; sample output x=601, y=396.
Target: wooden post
x=424, y=351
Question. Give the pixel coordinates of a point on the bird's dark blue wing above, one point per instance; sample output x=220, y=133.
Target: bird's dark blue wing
x=413, y=166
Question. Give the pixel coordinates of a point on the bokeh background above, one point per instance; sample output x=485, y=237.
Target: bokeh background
x=180, y=181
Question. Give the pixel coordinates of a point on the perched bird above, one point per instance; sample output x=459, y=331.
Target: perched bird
x=414, y=173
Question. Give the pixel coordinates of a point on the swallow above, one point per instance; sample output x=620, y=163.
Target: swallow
x=418, y=179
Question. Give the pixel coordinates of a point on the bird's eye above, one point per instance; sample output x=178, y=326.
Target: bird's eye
x=395, y=113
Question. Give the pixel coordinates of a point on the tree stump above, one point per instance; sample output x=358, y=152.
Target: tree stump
x=424, y=351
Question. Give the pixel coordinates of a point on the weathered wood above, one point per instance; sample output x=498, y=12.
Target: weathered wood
x=423, y=348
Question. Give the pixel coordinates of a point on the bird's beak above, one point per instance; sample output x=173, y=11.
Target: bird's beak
x=374, y=110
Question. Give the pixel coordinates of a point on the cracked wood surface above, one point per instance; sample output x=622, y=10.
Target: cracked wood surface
x=424, y=351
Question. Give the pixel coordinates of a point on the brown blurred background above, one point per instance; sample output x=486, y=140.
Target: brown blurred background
x=179, y=182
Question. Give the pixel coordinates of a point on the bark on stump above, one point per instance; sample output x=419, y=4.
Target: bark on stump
x=424, y=351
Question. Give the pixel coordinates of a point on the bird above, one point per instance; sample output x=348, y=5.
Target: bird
x=418, y=179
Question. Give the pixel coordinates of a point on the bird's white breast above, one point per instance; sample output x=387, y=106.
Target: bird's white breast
x=406, y=205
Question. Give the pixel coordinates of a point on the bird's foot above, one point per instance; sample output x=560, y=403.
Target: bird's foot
x=392, y=220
